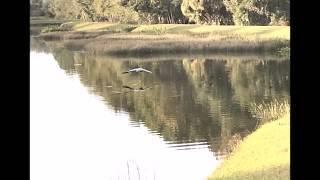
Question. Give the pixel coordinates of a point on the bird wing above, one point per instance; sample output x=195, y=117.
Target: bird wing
x=139, y=70
x=134, y=70
x=146, y=70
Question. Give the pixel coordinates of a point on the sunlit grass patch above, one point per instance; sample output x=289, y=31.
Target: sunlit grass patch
x=153, y=28
x=265, y=154
x=90, y=26
x=102, y=26
x=246, y=32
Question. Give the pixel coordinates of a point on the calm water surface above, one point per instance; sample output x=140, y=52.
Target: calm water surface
x=90, y=121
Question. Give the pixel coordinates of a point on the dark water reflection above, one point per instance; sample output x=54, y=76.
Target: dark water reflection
x=190, y=103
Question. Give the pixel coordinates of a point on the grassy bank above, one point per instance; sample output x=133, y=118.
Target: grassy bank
x=217, y=56
x=265, y=154
x=125, y=39
x=193, y=30
x=43, y=21
x=220, y=32
x=38, y=23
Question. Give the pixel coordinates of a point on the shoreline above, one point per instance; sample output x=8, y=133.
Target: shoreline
x=125, y=39
x=263, y=154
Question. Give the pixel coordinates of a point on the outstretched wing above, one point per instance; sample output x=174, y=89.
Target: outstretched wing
x=135, y=70
x=146, y=70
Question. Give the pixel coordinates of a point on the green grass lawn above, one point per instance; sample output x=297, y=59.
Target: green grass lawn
x=265, y=154
x=101, y=26
x=247, y=32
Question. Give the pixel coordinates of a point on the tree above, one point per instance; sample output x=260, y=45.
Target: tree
x=206, y=11
x=37, y=8
x=258, y=12
x=87, y=11
x=62, y=9
x=219, y=12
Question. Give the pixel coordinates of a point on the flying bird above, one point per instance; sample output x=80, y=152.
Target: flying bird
x=137, y=70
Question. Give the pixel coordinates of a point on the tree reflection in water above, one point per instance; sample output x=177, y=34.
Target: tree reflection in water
x=200, y=101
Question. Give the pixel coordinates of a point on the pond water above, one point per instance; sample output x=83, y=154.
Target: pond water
x=88, y=120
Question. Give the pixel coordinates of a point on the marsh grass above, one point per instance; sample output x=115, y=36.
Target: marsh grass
x=159, y=30
x=125, y=39
x=266, y=112
x=101, y=26
x=54, y=28
x=45, y=21
x=178, y=56
x=54, y=36
x=160, y=45
x=233, y=144
x=284, y=51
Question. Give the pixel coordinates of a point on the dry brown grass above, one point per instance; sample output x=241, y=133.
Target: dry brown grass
x=193, y=39
x=270, y=111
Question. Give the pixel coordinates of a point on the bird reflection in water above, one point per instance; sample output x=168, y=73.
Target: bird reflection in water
x=140, y=89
